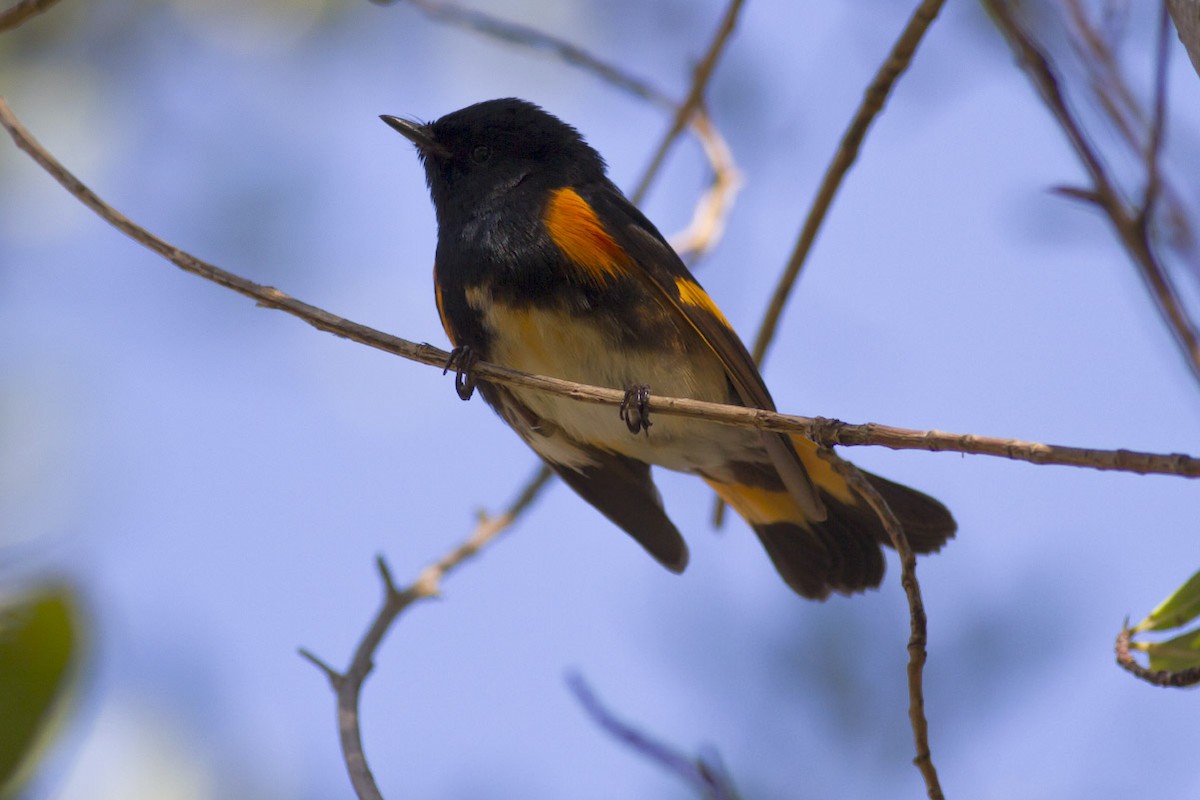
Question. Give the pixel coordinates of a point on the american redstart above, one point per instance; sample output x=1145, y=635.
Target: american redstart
x=544, y=266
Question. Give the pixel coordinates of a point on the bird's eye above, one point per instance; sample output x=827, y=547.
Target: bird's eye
x=481, y=154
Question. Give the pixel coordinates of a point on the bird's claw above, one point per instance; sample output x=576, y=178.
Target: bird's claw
x=635, y=409
x=461, y=360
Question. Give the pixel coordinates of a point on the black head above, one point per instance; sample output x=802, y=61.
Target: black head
x=476, y=155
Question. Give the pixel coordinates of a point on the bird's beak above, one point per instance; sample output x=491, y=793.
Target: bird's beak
x=418, y=134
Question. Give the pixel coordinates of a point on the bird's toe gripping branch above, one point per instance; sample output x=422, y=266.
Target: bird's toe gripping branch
x=635, y=408
x=461, y=360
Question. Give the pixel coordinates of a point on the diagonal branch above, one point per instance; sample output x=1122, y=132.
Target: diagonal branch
x=1136, y=128
x=847, y=152
x=823, y=431
x=1127, y=222
x=1154, y=146
x=1186, y=16
x=517, y=33
x=872, y=103
x=694, y=99
x=708, y=219
x=347, y=686
x=21, y=12
x=917, y=620
x=706, y=775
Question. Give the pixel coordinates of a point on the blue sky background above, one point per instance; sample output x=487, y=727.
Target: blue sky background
x=215, y=479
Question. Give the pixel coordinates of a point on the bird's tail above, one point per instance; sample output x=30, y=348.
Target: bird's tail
x=842, y=553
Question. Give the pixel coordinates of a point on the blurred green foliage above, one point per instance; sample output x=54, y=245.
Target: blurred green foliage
x=39, y=653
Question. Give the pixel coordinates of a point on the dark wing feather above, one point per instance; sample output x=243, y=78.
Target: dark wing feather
x=618, y=487
x=621, y=489
x=660, y=269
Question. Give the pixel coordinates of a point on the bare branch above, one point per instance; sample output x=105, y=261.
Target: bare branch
x=695, y=96
x=823, y=431
x=831, y=432
x=348, y=685
x=707, y=776
x=916, y=614
x=872, y=103
x=1186, y=15
x=1126, y=221
x=519, y=34
x=1134, y=125
x=21, y=12
x=845, y=156
x=708, y=219
x=1157, y=122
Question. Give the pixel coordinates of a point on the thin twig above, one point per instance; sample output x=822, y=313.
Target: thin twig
x=21, y=12
x=916, y=614
x=1186, y=15
x=843, y=158
x=1158, y=117
x=1154, y=677
x=707, y=776
x=348, y=685
x=872, y=103
x=695, y=96
x=1098, y=58
x=526, y=36
x=823, y=431
x=1108, y=85
x=708, y=219
x=1126, y=221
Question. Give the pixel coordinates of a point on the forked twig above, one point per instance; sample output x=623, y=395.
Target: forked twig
x=1129, y=222
x=347, y=686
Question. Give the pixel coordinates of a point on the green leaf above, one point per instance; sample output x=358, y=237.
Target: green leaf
x=1177, y=610
x=38, y=650
x=1174, y=655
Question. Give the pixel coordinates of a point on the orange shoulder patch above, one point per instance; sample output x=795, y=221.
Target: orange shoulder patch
x=691, y=294
x=578, y=232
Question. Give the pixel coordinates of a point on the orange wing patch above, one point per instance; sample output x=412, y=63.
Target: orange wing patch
x=691, y=294
x=578, y=232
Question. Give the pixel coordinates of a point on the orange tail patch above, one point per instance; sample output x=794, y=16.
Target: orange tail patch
x=759, y=506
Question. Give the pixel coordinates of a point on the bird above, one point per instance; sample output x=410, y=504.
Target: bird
x=542, y=265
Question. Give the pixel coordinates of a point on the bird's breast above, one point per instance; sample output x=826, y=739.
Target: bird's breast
x=597, y=348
